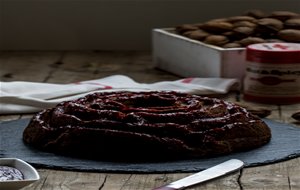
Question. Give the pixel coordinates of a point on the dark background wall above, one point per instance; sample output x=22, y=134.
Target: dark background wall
x=109, y=24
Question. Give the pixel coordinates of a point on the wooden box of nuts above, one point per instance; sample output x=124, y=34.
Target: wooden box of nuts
x=216, y=48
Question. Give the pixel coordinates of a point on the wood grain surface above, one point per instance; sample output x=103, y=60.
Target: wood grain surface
x=66, y=67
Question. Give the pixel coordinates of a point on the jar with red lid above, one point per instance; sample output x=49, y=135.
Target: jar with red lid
x=272, y=73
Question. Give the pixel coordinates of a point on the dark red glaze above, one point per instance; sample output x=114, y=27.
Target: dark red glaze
x=135, y=124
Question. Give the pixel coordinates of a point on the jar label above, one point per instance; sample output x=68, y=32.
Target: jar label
x=272, y=80
x=276, y=47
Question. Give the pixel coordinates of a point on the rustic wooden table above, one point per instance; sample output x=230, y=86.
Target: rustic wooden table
x=67, y=67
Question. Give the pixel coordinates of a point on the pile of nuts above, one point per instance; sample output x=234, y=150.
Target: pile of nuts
x=254, y=26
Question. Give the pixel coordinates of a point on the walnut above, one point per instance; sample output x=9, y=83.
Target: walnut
x=255, y=13
x=185, y=27
x=251, y=40
x=241, y=18
x=218, y=40
x=243, y=31
x=283, y=15
x=244, y=23
x=290, y=35
x=217, y=27
x=293, y=23
x=232, y=45
x=270, y=23
x=196, y=34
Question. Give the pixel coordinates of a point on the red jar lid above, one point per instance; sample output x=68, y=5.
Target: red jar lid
x=273, y=53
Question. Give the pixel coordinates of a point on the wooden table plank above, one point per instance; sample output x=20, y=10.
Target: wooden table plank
x=78, y=66
x=273, y=176
x=34, y=66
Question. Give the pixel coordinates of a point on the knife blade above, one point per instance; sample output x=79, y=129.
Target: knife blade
x=208, y=174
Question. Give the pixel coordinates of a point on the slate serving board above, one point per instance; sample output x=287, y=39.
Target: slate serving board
x=285, y=144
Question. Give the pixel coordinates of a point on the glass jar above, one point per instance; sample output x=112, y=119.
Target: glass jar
x=272, y=73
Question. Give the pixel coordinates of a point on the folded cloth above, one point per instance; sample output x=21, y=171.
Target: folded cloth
x=28, y=97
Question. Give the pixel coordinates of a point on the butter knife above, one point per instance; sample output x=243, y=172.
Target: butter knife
x=208, y=174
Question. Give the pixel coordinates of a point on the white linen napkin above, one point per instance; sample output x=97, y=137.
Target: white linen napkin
x=28, y=97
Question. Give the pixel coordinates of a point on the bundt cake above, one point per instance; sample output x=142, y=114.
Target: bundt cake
x=145, y=125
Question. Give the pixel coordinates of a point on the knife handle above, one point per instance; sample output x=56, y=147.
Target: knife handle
x=164, y=188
